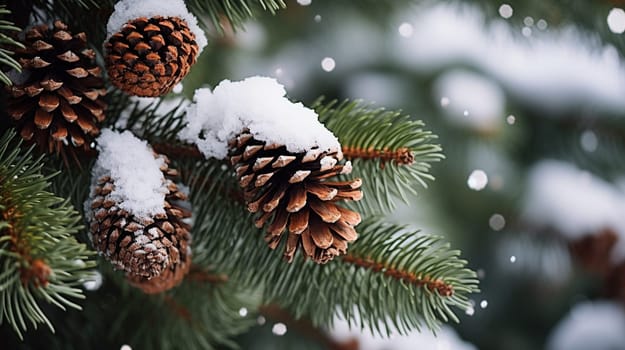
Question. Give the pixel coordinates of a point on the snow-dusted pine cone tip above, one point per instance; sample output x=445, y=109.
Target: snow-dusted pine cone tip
x=168, y=279
x=293, y=194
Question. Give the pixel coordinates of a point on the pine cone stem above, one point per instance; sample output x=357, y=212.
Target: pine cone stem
x=400, y=156
x=419, y=280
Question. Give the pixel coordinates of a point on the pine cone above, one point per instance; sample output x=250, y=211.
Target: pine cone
x=146, y=248
x=61, y=100
x=291, y=192
x=150, y=55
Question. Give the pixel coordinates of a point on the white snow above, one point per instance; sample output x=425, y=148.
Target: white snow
x=467, y=91
x=529, y=68
x=127, y=10
x=616, y=20
x=478, y=179
x=446, y=339
x=506, y=11
x=590, y=325
x=258, y=104
x=139, y=182
x=405, y=29
x=328, y=64
x=575, y=202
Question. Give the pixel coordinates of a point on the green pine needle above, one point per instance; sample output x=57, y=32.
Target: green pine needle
x=377, y=129
x=40, y=258
x=235, y=11
x=7, y=42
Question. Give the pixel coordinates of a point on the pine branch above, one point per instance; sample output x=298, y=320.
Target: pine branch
x=416, y=279
x=40, y=258
x=6, y=43
x=346, y=288
x=389, y=149
x=235, y=12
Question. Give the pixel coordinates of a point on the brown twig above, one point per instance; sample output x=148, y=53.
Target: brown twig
x=197, y=274
x=444, y=289
x=400, y=156
x=35, y=271
x=177, y=151
x=178, y=309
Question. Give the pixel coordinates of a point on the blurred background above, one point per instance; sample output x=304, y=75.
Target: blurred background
x=528, y=100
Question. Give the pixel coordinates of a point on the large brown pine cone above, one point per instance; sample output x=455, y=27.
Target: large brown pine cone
x=60, y=100
x=148, y=56
x=291, y=192
x=146, y=248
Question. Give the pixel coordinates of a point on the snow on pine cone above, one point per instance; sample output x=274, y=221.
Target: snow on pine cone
x=155, y=252
x=168, y=279
x=58, y=99
x=291, y=192
x=148, y=56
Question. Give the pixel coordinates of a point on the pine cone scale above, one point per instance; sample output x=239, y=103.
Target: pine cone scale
x=345, y=231
x=327, y=212
x=299, y=221
x=48, y=102
x=43, y=119
x=297, y=199
x=60, y=133
x=321, y=191
x=320, y=233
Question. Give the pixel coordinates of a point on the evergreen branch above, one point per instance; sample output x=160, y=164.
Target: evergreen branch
x=6, y=41
x=234, y=11
x=322, y=291
x=414, y=279
x=389, y=150
x=418, y=278
x=40, y=258
x=444, y=289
